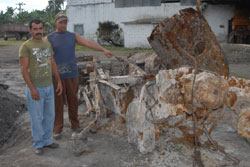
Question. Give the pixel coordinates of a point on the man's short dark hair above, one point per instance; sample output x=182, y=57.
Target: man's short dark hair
x=36, y=21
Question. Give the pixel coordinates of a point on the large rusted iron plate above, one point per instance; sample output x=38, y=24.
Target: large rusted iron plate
x=184, y=34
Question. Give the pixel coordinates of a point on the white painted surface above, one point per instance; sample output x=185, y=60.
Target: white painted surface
x=135, y=35
x=217, y=16
x=87, y=2
x=91, y=12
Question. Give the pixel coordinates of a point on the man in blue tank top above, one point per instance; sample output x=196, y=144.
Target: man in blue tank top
x=63, y=43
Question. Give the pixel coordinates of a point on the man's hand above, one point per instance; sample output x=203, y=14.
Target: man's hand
x=59, y=88
x=35, y=94
x=108, y=53
x=92, y=45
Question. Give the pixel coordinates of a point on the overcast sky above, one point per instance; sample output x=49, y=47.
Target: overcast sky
x=29, y=4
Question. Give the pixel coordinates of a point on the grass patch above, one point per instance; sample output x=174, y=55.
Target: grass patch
x=117, y=50
x=10, y=42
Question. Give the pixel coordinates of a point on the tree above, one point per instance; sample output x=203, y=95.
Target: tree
x=54, y=6
x=7, y=17
x=23, y=17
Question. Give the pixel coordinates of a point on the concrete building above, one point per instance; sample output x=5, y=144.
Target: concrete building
x=138, y=22
x=218, y=17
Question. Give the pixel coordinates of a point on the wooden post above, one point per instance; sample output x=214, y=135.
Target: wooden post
x=198, y=5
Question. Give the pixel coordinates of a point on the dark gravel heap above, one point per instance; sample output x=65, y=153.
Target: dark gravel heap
x=11, y=107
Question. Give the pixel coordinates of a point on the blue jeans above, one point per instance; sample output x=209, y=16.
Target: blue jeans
x=42, y=115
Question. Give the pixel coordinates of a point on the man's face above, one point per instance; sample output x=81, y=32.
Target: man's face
x=36, y=31
x=61, y=26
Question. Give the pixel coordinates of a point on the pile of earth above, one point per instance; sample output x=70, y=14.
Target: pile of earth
x=11, y=107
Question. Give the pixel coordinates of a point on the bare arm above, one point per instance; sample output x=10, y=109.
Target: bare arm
x=92, y=45
x=24, y=62
x=57, y=76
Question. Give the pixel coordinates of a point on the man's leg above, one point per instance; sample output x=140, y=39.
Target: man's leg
x=72, y=99
x=35, y=108
x=49, y=115
x=59, y=107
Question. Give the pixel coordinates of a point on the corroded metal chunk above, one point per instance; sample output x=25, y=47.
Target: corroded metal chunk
x=188, y=33
x=165, y=104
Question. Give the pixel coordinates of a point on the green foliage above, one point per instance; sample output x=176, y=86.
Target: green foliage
x=109, y=32
x=23, y=17
x=47, y=15
x=7, y=17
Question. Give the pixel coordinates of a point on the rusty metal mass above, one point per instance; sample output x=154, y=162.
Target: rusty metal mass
x=188, y=33
x=185, y=80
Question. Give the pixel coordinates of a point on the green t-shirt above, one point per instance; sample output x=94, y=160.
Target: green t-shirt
x=39, y=54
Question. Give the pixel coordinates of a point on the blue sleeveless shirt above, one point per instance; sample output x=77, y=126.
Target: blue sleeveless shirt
x=63, y=44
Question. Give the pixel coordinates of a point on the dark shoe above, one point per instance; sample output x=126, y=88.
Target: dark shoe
x=39, y=151
x=77, y=130
x=53, y=145
x=57, y=136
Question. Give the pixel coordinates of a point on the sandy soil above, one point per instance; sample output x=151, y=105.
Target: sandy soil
x=109, y=146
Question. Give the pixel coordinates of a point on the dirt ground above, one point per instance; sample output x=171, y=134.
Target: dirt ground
x=106, y=148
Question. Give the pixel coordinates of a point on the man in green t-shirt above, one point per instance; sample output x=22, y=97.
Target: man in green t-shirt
x=37, y=66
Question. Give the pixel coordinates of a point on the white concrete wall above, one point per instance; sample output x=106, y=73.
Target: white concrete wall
x=218, y=15
x=87, y=2
x=91, y=12
x=135, y=35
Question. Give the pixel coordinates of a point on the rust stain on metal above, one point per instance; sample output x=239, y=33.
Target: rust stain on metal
x=232, y=82
x=141, y=135
x=188, y=32
x=128, y=98
x=188, y=138
x=157, y=132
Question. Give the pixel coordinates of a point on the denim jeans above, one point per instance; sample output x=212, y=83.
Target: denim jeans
x=42, y=115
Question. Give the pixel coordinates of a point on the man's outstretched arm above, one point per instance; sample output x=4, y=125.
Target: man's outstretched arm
x=92, y=45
